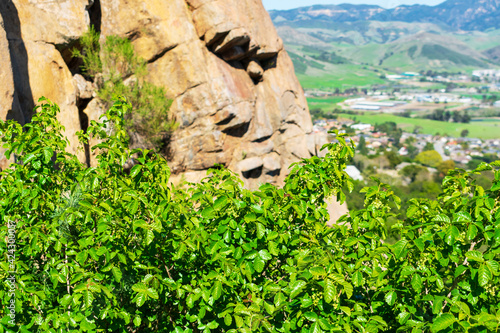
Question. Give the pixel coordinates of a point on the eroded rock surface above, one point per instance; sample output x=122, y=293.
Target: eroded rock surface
x=235, y=95
x=9, y=105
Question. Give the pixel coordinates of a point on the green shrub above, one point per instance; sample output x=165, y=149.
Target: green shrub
x=123, y=74
x=105, y=250
x=92, y=64
x=430, y=158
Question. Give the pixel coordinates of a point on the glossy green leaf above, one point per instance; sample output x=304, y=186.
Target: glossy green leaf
x=391, y=297
x=217, y=290
x=136, y=169
x=399, y=248
x=443, y=322
x=220, y=202
x=484, y=275
x=474, y=256
x=259, y=264
x=117, y=273
x=296, y=288
x=329, y=291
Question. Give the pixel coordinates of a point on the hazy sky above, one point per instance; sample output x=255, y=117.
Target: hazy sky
x=289, y=4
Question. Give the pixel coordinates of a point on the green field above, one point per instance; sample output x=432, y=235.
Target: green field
x=482, y=130
x=326, y=104
x=339, y=76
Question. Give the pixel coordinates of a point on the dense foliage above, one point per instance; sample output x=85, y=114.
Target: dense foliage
x=110, y=250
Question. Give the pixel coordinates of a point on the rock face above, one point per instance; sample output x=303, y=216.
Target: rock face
x=36, y=30
x=9, y=105
x=235, y=95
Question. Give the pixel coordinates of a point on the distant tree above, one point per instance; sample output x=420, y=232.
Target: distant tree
x=430, y=158
x=447, y=116
x=412, y=171
x=393, y=158
x=473, y=164
x=445, y=166
x=410, y=140
x=412, y=151
x=406, y=114
x=392, y=130
x=466, y=117
x=428, y=146
x=464, y=133
x=362, y=146
x=489, y=158
x=437, y=114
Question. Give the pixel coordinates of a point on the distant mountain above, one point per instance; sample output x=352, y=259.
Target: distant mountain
x=466, y=15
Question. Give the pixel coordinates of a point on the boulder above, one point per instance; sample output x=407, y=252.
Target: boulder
x=84, y=88
x=94, y=110
x=155, y=26
x=54, y=22
x=50, y=77
x=336, y=210
x=217, y=18
x=272, y=162
x=254, y=69
x=250, y=164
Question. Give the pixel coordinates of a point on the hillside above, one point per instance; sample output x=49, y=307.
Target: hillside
x=493, y=54
x=328, y=41
x=457, y=14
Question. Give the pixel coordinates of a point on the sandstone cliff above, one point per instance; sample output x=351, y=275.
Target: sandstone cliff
x=236, y=97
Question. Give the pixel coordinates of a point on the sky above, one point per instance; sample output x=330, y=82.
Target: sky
x=289, y=4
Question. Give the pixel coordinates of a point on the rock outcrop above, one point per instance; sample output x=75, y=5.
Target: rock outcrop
x=235, y=95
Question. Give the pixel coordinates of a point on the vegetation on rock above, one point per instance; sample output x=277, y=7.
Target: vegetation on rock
x=105, y=249
x=119, y=72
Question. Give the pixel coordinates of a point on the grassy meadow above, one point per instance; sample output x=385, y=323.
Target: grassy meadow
x=326, y=104
x=477, y=129
x=339, y=76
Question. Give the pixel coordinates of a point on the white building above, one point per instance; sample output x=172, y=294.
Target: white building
x=486, y=73
x=354, y=172
x=365, y=107
x=361, y=127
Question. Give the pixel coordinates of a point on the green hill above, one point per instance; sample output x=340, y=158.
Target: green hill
x=327, y=52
